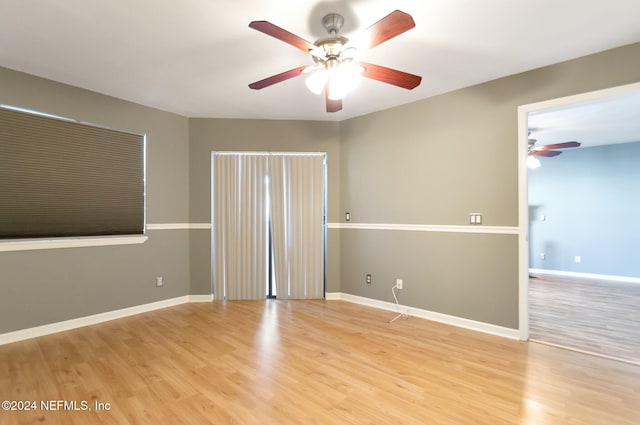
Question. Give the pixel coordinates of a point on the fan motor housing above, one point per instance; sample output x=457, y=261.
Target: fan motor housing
x=333, y=22
x=332, y=46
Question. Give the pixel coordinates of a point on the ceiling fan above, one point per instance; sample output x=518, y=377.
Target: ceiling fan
x=548, y=151
x=336, y=68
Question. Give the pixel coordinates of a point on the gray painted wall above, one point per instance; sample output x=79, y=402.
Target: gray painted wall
x=590, y=198
x=434, y=161
x=463, y=275
x=47, y=286
x=430, y=162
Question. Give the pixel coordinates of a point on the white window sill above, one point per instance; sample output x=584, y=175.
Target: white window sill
x=24, y=245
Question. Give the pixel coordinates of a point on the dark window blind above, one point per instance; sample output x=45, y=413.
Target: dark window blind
x=62, y=178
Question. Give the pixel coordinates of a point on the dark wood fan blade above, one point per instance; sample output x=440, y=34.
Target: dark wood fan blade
x=559, y=146
x=390, y=76
x=548, y=154
x=332, y=105
x=386, y=28
x=277, y=78
x=283, y=35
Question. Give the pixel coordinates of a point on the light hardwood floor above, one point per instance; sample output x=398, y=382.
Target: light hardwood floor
x=308, y=362
x=596, y=316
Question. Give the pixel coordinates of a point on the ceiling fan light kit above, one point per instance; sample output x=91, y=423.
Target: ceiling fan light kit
x=339, y=79
x=533, y=162
x=336, y=70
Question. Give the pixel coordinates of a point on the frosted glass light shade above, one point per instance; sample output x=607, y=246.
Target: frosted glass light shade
x=532, y=162
x=317, y=80
x=342, y=79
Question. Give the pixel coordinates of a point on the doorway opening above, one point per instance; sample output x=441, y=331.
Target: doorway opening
x=553, y=257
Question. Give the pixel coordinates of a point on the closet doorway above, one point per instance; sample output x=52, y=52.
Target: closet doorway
x=269, y=230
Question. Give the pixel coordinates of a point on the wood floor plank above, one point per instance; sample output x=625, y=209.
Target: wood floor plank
x=592, y=315
x=316, y=362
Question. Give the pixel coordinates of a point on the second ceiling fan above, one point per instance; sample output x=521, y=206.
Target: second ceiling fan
x=549, y=150
x=336, y=66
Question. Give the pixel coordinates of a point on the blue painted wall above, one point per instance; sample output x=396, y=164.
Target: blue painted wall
x=590, y=200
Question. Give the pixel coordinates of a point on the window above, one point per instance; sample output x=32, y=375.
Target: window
x=62, y=178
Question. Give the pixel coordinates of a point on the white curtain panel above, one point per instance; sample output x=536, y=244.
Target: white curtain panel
x=297, y=218
x=240, y=226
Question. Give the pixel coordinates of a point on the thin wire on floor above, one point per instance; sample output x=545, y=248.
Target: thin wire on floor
x=403, y=315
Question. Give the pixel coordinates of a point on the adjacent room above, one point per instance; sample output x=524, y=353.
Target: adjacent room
x=302, y=212
x=584, y=288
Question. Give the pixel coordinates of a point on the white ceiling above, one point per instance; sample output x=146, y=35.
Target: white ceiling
x=196, y=57
x=609, y=120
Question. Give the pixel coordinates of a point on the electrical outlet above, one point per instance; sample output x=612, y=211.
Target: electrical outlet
x=367, y=279
x=577, y=259
x=542, y=255
x=399, y=283
x=159, y=281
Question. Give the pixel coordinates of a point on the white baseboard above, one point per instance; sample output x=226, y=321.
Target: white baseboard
x=587, y=275
x=80, y=322
x=428, y=315
x=200, y=298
